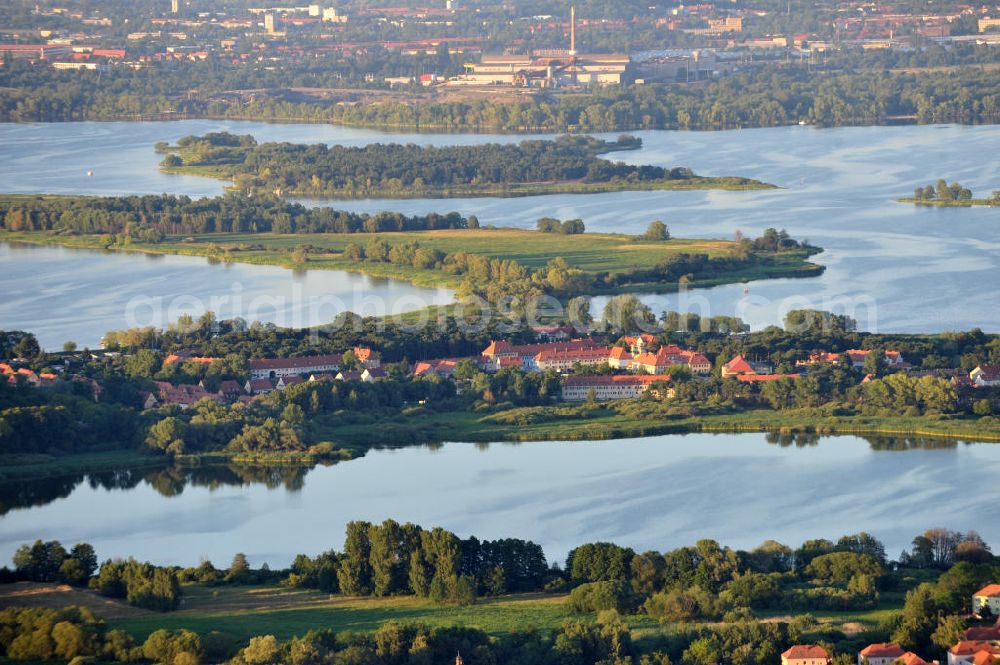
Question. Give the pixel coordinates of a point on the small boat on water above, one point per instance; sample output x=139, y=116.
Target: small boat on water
x=90, y=174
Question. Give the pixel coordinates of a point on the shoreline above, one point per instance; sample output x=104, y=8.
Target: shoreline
x=459, y=429
x=798, y=267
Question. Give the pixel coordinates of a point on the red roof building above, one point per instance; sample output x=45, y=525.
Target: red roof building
x=805, y=654
x=736, y=367
x=880, y=653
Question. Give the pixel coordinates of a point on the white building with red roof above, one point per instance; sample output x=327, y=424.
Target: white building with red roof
x=560, y=360
x=988, y=596
x=501, y=353
x=985, y=376
x=274, y=368
x=880, y=653
x=806, y=654
x=973, y=652
x=608, y=387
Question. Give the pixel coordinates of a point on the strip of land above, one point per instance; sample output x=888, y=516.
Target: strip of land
x=593, y=253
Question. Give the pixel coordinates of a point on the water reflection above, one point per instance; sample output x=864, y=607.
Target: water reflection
x=170, y=481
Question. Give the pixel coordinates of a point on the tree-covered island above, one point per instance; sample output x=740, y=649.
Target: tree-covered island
x=943, y=195
x=568, y=164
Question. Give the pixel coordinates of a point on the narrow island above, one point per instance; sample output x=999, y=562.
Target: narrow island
x=943, y=195
x=568, y=164
x=559, y=258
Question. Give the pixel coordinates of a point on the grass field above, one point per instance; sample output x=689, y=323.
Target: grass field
x=246, y=611
x=242, y=612
x=591, y=252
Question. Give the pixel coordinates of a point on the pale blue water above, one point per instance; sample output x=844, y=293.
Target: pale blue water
x=651, y=493
x=896, y=267
x=69, y=294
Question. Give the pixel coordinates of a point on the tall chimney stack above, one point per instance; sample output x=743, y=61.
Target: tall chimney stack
x=572, y=30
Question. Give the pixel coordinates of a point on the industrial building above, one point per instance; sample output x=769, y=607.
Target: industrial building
x=549, y=69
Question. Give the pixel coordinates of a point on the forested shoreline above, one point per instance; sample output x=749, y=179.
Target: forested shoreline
x=566, y=164
x=760, y=98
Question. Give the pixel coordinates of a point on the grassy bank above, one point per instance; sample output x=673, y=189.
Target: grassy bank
x=242, y=612
x=592, y=253
x=30, y=467
x=553, y=423
x=582, y=423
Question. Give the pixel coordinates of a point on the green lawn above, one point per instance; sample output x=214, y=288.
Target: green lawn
x=243, y=612
x=591, y=252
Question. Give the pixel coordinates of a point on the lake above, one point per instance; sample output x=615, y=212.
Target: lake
x=651, y=493
x=65, y=294
x=895, y=267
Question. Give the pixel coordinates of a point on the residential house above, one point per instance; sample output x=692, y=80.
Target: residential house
x=740, y=366
x=988, y=596
x=258, y=386
x=641, y=343
x=973, y=652
x=880, y=653
x=985, y=376
x=374, y=374
x=553, y=333
x=605, y=388
x=806, y=654
x=818, y=358
x=183, y=395
x=285, y=381
x=368, y=358
x=669, y=356
x=893, y=359
x=352, y=375
x=326, y=376
x=983, y=633
x=231, y=390
x=619, y=358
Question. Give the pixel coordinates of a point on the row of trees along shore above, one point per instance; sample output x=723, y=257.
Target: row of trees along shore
x=763, y=97
x=684, y=587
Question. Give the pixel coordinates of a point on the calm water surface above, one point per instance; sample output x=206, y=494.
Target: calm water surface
x=657, y=492
x=71, y=294
x=896, y=267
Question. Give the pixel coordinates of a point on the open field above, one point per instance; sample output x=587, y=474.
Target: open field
x=591, y=252
x=58, y=596
x=242, y=612
x=246, y=611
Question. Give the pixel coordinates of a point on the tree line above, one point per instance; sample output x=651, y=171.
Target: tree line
x=603, y=583
x=149, y=218
x=760, y=97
